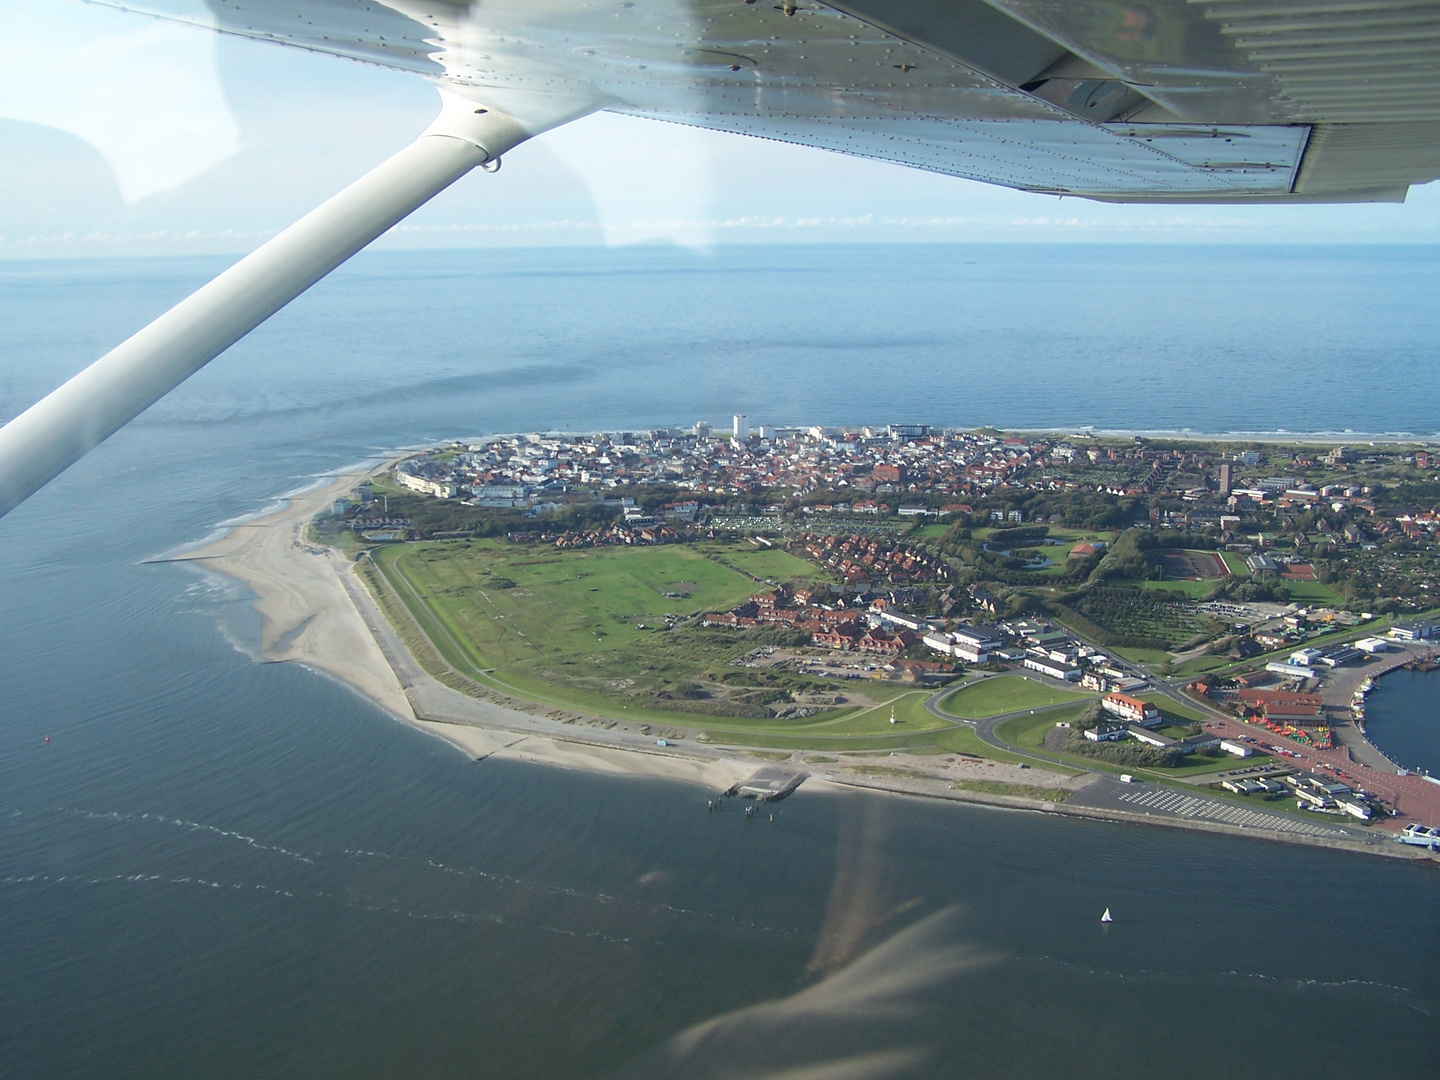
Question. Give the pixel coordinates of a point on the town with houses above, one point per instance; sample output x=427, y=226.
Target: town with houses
x=1156, y=575
x=1273, y=698
x=1362, y=520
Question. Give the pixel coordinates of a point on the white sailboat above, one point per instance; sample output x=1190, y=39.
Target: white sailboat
x=1106, y=917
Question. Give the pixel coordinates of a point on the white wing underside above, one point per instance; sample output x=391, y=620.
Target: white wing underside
x=1164, y=100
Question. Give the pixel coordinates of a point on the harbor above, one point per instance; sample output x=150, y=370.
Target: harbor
x=1400, y=719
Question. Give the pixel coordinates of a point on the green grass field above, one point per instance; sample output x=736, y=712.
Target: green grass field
x=1172, y=730
x=1175, y=713
x=1030, y=731
x=582, y=630
x=1141, y=656
x=1002, y=694
x=990, y=787
x=1315, y=592
x=767, y=564
x=517, y=602
x=1211, y=761
x=1200, y=665
x=1235, y=563
x=866, y=729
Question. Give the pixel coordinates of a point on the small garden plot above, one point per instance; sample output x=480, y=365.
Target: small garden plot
x=1137, y=615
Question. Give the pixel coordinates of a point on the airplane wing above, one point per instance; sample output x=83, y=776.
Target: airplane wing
x=1119, y=100
x=1243, y=101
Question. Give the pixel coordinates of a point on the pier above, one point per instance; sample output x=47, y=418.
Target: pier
x=1426, y=661
x=769, y=784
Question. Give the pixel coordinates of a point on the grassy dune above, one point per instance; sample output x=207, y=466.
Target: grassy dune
x=1002, y=694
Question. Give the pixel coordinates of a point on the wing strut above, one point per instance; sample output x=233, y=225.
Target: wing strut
x=57, y=431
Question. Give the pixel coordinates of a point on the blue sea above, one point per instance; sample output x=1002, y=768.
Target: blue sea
x=225, y=868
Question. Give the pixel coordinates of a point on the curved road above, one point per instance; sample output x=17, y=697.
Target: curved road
x=984, y=727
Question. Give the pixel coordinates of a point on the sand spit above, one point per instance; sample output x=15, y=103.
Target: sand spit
x=313, y=610
x=306, y=615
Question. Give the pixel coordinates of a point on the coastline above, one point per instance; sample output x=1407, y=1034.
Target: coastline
x=1270, y=438
x=1281, y=438
x=315, y=610
x=304, y=612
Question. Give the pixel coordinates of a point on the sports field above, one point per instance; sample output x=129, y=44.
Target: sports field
x=1316, y=592
x=1185, y=564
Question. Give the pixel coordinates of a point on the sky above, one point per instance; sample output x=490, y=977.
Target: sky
x=181, y=141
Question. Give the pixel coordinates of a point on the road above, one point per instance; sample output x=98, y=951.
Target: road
x=1410, y=798
x=1146, y=799
x=985, y=727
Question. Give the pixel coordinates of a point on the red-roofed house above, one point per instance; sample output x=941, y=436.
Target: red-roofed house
x=1132, y=710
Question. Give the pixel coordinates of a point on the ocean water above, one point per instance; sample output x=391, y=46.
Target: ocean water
x=227, y=868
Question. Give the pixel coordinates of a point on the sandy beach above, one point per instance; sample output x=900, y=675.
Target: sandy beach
x=305, y=613
x=314, y=611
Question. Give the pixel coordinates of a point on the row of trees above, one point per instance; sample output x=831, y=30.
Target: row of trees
x=431, y=515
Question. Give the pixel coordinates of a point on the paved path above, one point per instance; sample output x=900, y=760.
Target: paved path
x=1361, y=749
x=1155, y=800
x=1148, y=798
x=984, y=727
x=1412, y=797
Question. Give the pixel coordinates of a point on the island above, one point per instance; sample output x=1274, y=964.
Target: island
x=1172, y=630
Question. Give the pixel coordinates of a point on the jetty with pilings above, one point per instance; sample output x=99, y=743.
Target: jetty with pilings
x=769, y=784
